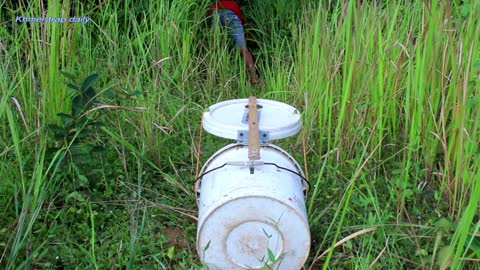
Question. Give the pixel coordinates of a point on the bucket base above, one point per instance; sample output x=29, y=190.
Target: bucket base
x=247, y=243
x=253, y=232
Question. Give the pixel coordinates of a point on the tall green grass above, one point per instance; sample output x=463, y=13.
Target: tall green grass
x=401, y=78
x=389, y=98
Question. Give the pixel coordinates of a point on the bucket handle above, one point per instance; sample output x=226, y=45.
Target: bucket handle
x=257, y=163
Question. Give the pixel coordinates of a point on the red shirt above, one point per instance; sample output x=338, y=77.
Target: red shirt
x=232, y=5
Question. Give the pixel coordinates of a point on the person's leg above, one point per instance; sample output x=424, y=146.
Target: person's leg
x=234, y=24
x=247, y=55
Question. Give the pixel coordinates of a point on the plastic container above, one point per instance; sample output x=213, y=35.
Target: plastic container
x=252, y=213
x=226, y=118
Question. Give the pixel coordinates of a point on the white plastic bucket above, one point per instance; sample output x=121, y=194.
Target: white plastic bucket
x=248, y=221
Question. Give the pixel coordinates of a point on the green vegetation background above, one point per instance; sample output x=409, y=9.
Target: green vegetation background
x=99, y=128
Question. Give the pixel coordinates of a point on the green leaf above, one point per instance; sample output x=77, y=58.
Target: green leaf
x=442, y=256
x=98, y=148
x=170, y=252
x=59, y=136
x=135, y=93
x=348, y=245
x=207, y=246
x=84, y=133
x=407, y=193
x=476, y=64
x=89, y=81
x=366, y=201
x=81, y=149
x=75, y=196
x=444, y=224
x=83, y=122
x=471, y=102
x=83, y=180
x=109, y=94
x=51, y=151
x=426, y=260
x=266, y=234
x=73, y=86
x=465, y=10
x=77, y=105
x=475, y=245
x=68, y=75
x=371, y=218
x=97, y=124
x=65, y=118
x=421, y=252
x=397, y=171
x=56, y=128
x=89, y=96
x=64, y=115
x=271, y=256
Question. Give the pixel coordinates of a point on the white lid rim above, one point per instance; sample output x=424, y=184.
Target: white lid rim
x=221, y=128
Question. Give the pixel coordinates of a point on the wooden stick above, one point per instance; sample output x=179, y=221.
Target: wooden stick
x=253, y=131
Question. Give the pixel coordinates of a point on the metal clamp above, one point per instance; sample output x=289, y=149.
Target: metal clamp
x=242, y=137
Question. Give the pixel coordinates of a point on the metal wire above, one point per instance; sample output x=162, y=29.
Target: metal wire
x=265, y=163
x=199, y=147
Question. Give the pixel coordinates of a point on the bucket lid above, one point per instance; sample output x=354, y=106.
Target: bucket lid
x=227, y=118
